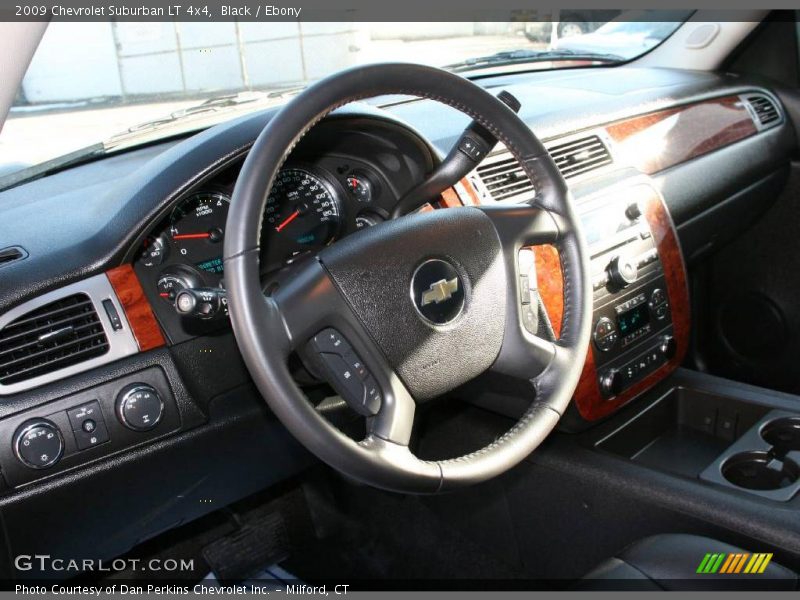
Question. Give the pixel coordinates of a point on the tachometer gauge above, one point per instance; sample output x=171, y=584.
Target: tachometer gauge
x=197, y=229
x=302, y=214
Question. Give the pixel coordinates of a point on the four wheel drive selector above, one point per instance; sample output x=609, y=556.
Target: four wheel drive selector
x=139, y=407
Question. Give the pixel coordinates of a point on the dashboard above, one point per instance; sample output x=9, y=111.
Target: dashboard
x=148, y=224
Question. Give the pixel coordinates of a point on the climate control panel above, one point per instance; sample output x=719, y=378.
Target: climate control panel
x=91, y=424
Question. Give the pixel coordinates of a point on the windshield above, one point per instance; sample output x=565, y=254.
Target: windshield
x=127, y=83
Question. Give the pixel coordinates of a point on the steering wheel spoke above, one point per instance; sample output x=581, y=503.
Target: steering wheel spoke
x=525, y=353
x=321, y=326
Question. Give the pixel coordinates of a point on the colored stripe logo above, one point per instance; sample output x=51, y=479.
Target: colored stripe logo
x=734, y=563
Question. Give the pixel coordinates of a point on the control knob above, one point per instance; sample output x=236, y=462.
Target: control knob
x=38, y=443
x=633, y=211
x=612, y=382
x=139, y=407
x=202, y=303
x=622, y=271
x=667, y=346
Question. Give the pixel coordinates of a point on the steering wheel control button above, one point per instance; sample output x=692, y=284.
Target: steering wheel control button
x=437, y=292
x=88, y=425
x=139, y=407
x=346, y=382
x=373, y=399
x=38, y=444
x=346, y=372
x=330, y=340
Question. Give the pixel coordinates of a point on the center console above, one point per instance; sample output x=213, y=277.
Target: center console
x=632, y=332
x=640, y=322
x=714, y=431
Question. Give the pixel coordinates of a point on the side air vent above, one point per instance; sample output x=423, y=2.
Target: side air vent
x=580, y=155
x=62, y=333
x=764, y=110
x=11, y=254
x=503, y=178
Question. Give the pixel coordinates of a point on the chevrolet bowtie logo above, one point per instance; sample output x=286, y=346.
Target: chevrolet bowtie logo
x=439, y=291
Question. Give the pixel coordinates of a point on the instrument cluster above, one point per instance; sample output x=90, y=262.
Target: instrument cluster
x=311, y=205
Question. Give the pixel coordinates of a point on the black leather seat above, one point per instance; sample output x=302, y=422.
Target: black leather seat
x=670, y=562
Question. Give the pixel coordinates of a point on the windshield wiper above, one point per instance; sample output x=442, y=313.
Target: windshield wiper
x=511, y=57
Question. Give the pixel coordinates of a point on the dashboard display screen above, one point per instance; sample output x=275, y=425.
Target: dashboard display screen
x=633, y=319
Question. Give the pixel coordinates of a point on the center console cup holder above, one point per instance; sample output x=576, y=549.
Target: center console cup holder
x=783, y=435
x=764, y=461
x=758, y=470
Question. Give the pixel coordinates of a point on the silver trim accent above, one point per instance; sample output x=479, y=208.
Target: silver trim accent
x=121, y=343
x=31, y=425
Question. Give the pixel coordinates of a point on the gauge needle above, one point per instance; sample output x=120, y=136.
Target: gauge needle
x=191, y=236
x=288, y=220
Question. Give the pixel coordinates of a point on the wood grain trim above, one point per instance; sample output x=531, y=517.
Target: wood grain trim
x=450, y=199
x=663, y=139
x=465, y=196
x=588, y=400
x=137, y=308
x=550, y=281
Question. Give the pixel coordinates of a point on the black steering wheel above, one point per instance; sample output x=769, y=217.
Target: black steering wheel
x=429, y=301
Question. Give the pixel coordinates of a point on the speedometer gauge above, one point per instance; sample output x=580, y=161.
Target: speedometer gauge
x=197, y=229
x=302, y=208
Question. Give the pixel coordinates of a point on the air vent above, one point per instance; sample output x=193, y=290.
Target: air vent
x=57, y=335
x=11, y=254
x=764, y=110
x=504, y=179
x=580, y=155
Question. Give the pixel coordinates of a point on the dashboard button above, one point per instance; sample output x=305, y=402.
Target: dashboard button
x=139, y=407
x=88, y=425
x=88, y=437
x=85, y=412
x=38, y=444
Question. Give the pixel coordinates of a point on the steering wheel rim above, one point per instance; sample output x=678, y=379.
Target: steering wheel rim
x=324, y=292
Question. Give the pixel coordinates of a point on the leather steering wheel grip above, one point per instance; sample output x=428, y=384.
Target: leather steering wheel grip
x=266, y=336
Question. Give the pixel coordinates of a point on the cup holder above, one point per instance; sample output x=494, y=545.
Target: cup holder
x=760, y=471
x=783, y=435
